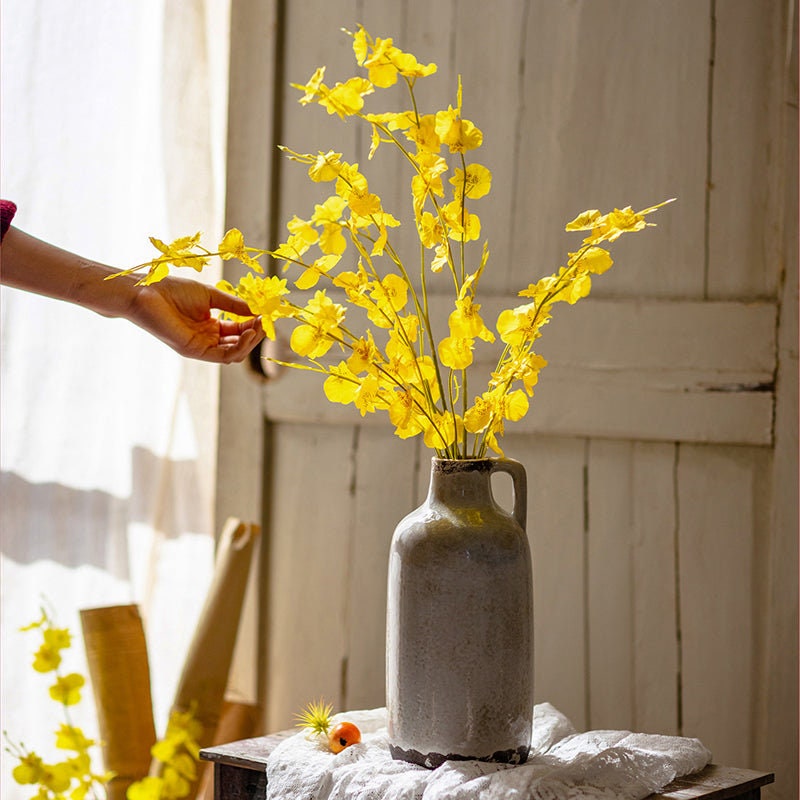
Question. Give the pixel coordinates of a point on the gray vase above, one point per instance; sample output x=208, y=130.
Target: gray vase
x=459, y=655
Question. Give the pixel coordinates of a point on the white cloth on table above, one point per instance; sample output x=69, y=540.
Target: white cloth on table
x=563, y=765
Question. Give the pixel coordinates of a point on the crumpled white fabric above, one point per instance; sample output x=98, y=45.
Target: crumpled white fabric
x=563, y=765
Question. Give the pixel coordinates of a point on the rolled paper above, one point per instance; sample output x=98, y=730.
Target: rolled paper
x=116, y=652
x=204, y=677
x=237, y=721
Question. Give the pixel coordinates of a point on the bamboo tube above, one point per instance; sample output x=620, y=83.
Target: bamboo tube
x=205, y=673
x=116, y=651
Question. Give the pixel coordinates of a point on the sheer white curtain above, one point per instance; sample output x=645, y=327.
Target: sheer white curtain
x=113, y=129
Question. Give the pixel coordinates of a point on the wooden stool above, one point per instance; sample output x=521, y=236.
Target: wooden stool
x=240, y=773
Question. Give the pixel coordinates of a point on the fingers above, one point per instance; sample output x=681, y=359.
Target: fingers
x=228, y=302
x=230, y=328
x=234, y=348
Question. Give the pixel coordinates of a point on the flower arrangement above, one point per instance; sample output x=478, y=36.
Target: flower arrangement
x=394, y=363
x=75, y=777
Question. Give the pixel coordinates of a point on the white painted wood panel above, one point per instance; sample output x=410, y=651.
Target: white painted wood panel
x=308, y=591
x=383, y=493
x=655, y=613
x=610, y=597
x=675, y=610
x=555, y=469
x=746, y=131
x=643, y=370
x=720, y=511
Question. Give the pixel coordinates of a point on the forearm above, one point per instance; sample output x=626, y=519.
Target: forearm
x=36, y=266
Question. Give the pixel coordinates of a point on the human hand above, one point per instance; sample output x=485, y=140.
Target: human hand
x=178, y=311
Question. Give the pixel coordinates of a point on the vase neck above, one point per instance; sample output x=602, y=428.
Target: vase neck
x=460, y=483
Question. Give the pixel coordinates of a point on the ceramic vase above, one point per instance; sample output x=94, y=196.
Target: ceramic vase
x=459, y=660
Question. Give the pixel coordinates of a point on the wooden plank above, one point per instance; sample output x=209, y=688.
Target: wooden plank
x=746, y=131
x=651, y=370
x=555, y=469
x=716, y=782
x=383, y=493
x=655, y=625
x=248, y=173
x=585, y=144
x=610, y=599
x=488, y=53
x=776, y=723
x=719, y=508
x=307, y=582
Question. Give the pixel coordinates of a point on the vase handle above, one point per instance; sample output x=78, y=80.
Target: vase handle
x=519, y=480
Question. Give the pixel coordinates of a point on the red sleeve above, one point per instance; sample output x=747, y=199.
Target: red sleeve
x=7, y=211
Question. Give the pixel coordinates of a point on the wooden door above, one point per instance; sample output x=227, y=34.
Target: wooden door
x=661, y=443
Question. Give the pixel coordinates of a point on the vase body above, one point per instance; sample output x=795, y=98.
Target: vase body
x=459, y=655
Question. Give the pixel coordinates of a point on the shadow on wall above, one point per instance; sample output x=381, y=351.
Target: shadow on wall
x=89, y=526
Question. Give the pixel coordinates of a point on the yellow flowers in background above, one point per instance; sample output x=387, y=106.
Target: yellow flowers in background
x=74, y=777
x=344, y=256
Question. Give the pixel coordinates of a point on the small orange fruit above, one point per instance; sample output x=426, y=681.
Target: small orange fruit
x=343, y=735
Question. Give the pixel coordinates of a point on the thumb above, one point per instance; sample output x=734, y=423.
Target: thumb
x=229, y=302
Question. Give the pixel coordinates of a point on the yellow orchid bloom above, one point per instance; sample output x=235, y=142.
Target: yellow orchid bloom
x=233, y=246
x=67, y=689
x=477, y=183
x=456, y=352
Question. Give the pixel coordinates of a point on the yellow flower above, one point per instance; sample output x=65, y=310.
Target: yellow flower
x=494, y=406
x=325, y=167
x=341, y=384
x=461, y=223
x=328, y=216
x=312, y=88
x=385, y=61
x=519, y=325
x=69, y=737
x=181, y=252
x=431, y=232
x=609, y=227
x=456, y=353
x=67, y=689
x=58, y=638
x=520, y=366
x=478, y=182
x=47, y=658
x=390, y=296
x=364, y=354
x=592, y=259
x=263, y=296
x=233, y=246
x=356, y=285
x=440, y=433
x=346, y=99
x=403, y=414
x=458, y=134
x=148, y=788
x=312, y=273
x=368, y=395
x=466, y=320
x=424, y=135
x=322, y=317
x=301, y=231
x=29, y=770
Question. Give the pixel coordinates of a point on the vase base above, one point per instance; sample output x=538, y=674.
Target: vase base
x=434, y=760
